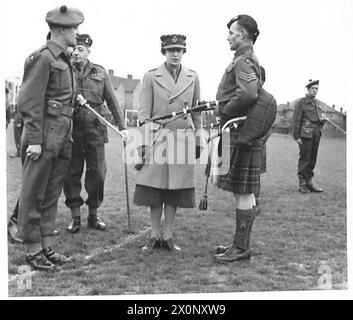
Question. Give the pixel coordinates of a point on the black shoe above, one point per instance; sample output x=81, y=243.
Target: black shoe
x=153, y=243
x=12, y=233
x=312, y=188
x=96, y=223
x=170, y=245
x=232, y=254
x=74, y=225
x=222, y=249
x=38, y=261
x=56, y=258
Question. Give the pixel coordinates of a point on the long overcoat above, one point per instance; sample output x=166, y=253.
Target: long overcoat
x=170, y=154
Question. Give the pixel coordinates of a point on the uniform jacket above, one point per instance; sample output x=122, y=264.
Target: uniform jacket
x=48, y=75
x=160, y=95
x=240, y=82
x=306, y=114
x=95, y=86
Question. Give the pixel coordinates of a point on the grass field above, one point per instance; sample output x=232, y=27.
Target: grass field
x=298, y=238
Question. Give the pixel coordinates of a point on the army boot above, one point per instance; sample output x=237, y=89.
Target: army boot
x=302, y=185
x=311, y=187
x=240, y=249
x=38, y=261
x=75, y=223
x=94, y=221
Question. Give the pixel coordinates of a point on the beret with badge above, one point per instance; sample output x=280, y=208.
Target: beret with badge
x=312, y=83
x=84, y=40
x=64, y=17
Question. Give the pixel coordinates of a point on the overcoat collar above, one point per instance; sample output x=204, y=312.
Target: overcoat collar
x=164, y=78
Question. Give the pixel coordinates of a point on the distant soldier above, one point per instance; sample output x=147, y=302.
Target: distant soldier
x=89, y=136
x=45, y=102
x=307, y=127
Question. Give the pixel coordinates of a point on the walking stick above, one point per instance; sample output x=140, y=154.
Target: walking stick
x=83, y=102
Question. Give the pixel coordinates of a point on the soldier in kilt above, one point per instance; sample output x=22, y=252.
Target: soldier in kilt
x=242, y=84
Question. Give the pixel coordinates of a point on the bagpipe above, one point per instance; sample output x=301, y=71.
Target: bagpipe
x=200, y=106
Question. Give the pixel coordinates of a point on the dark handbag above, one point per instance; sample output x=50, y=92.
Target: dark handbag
x=306, y=130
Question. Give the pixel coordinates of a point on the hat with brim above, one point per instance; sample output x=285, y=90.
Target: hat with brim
x=173, y=41
x=64, y=17
x=312, y=83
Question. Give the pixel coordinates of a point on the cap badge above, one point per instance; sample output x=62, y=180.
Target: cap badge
x=87, y=40
x=174, y=39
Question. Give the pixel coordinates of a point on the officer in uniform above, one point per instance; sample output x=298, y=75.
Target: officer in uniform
x=241, y=83
x=45, y=102
x=89, y=136
x=307, y=126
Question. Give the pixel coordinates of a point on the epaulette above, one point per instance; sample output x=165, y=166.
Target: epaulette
x=192, y=70
x=152, y=70
x=98, y=65
x=34, y=56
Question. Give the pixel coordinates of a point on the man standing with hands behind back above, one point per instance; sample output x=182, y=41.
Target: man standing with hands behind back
x=45, y=102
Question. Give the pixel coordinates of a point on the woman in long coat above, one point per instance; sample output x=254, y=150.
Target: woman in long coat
x=167, y=177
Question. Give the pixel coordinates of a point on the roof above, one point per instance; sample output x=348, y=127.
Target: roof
x=129, y=84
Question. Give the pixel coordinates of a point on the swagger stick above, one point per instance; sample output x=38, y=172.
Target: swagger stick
x=83, y=102
x=335, y=125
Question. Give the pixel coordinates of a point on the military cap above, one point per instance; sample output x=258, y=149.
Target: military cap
x=248, y=23
x=173, y=41
x=64, y=17
x=84, y=39
x=312, y=83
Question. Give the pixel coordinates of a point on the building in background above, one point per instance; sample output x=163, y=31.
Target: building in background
x=13, y=84
x=127, y=91
x=283, y=122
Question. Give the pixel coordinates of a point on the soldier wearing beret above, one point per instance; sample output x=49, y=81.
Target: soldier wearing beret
x=45, y=102
x=89, y=136
x=307, y=127
x=164, y=184
x=241, y=83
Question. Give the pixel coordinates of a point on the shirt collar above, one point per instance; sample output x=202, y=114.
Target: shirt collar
x=244, y=49
x=171, y=70
x=55, y=48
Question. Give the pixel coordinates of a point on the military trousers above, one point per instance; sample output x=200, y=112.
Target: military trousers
x=89, y=135
x=42, y=183
x=308, y=151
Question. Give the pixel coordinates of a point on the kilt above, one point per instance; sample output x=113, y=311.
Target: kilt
x=244, y=169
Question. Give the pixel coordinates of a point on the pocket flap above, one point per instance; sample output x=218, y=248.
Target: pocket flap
x=60, y=65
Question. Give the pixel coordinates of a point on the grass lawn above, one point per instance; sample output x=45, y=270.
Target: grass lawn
x=295, y=237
